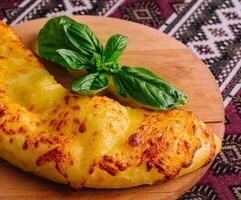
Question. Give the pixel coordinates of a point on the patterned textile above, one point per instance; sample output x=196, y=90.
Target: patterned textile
x=211, y=28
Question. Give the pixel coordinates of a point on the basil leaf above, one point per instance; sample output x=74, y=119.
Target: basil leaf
x=148, y=89
x=118, y=86
x=91, y=84
x=52, y=37
x=83, y=39
x=115, y=47
x=65, y=33
x=74, y=60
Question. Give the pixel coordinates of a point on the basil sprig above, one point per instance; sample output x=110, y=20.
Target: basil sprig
x=74, y=46
x=91, y=84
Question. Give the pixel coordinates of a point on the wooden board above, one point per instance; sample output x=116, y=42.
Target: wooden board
x=148, y=48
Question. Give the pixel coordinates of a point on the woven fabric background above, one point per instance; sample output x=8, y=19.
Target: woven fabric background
x=212, y=30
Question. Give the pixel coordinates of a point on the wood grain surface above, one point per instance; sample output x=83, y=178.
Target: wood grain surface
x=148, y=48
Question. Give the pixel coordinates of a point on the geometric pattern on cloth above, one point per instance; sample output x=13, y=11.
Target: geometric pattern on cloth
x=201, y=192
x=210, y=28
x=229, y=159
x=236, y=191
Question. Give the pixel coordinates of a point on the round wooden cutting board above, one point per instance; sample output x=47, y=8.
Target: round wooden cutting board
x=148, y=48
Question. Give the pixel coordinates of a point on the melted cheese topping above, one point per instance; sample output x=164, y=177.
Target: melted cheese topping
x=89, y=141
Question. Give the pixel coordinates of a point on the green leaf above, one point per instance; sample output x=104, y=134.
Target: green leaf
x=91, y=84
x=118, y=86
x=65, y=33
x=74, y=60
x=115, y=47
x=52, y=37
x=83, y=39
x=148, y=89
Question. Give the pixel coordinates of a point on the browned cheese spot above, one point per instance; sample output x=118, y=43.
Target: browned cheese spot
x=121, y=166
x=76, y=120
x=206, y=132
x=56, y=155
x=66, y=114
x=10, y=132
x=2, y=112
x=187, y=144
x=26, y=144
x=82, y=127
x=22, y=129
x=134, y=140
x=109, y=159
x=47, y=140
x=110, y=170
x=92, y=167
x=194, y=128
x=52, y=122
x=31, y=108
x=76, y=107
x=149, y=166
x=187, y=164
x=67, y=99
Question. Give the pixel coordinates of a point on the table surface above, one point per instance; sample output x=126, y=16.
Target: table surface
x=210, y=28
